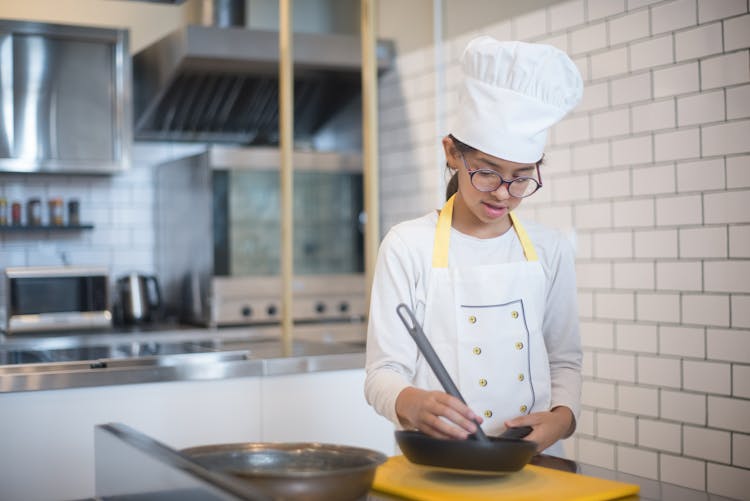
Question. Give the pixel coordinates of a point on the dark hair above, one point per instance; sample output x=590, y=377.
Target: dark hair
x=452, y=186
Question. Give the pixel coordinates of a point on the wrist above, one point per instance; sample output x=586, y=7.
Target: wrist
x=567, y=419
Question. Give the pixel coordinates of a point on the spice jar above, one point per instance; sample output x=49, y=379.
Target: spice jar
x=55, y=211
x=34, y=212
x=3, y=212
x=16, y=214
x=73, y=213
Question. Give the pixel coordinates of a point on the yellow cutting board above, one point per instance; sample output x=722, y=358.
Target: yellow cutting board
x=398, y=476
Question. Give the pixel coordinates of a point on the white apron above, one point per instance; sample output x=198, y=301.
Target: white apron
x=485, y=323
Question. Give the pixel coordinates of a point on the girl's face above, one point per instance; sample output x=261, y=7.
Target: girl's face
x=477, y=213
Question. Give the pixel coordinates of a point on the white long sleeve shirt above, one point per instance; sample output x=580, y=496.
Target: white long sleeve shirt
x=401, y=276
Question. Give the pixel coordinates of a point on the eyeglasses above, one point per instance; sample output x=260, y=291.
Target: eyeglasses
x=489, y=180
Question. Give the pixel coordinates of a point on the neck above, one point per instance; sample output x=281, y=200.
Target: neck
x=467, y=223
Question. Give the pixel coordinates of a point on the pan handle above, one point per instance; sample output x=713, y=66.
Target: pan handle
x=416, y=332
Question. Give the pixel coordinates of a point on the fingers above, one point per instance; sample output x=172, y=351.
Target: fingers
x=436, y=413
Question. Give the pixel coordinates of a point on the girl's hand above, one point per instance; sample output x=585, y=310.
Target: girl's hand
x=548, y=426
x=435, y=413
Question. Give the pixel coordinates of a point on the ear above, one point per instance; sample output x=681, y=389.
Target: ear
x=451, y=152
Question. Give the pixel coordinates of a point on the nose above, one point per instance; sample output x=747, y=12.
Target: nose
x=502, y=192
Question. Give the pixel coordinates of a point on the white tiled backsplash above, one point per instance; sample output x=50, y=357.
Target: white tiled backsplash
x=651, y=175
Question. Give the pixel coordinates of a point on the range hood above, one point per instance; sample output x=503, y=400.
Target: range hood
x=220, y=84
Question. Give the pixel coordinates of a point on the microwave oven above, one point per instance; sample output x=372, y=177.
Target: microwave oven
x=56, y=298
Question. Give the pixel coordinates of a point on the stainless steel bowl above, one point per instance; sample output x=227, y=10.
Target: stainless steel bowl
x=300, y=471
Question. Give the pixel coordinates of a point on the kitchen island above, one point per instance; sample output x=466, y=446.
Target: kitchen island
x=188, y=386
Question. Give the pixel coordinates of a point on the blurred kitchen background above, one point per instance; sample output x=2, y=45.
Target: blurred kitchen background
x=649, y=177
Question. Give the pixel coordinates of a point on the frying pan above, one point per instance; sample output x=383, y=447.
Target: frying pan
x=504, y=454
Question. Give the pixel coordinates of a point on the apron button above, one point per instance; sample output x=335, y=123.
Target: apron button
x=521, y=377
x=472, y=319
x=523, y=408
x=514, y=314
x=482, y=382
x=488, y=414
x=519, y=346
x=477, y=350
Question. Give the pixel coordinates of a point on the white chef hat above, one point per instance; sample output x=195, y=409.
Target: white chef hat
x=511, y=94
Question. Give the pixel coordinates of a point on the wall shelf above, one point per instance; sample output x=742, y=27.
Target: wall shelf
x=37, y=229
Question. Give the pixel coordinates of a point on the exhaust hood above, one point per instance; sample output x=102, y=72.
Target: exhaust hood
x=220, y=84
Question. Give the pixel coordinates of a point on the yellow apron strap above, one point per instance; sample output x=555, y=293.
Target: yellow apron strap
x=528, y=247
x=443, y=235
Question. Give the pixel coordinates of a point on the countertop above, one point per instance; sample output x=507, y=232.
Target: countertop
x=173, y=353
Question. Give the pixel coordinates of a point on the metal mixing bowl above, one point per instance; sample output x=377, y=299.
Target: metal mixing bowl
x=299, y=471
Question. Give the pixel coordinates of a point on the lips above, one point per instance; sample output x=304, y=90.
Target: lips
x=494, y=211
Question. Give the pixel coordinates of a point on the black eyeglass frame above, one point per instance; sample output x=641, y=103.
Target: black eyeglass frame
x=537, y=180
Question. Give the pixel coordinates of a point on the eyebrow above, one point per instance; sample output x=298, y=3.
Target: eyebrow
x=492, y=163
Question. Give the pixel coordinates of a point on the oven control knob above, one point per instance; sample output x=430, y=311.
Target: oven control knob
x=320, y=307
x=247, y=311
x=344, y=307
x=271, y=310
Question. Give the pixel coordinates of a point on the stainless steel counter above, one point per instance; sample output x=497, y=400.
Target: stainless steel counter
x=174, y=354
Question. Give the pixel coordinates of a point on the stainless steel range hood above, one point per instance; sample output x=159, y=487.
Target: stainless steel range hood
x=217, y=84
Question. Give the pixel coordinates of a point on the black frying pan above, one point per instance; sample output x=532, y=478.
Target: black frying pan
x=503, y=454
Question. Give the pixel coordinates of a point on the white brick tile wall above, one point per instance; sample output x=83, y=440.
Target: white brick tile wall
x=702, y=175
x=638, y=400
x=617, y=306
x=738, y=102
x=705, y=242
x=636, y=4
x=610, y=63
x=729, y=414
x=738, y=172
x=711, y=11
x=597, y=335
x=587, y=39
x=587, y=369
x=652, y=52
x=594, y=215
x=727, y=207
x=654, y=180
x=710, y=310
x=655, y=244
x=633, y=88
x=629, y=27
x=556, y=160
x=678, y=144
x=583, y=64
x=636, y=150
x=566, y=14
x=570, y=188
x=613, y=244
x=610, y=123
x=585, y=423
x=585, y=304
x=595, y=97
x=659, y=371
x=682, y=341
x=657, y=307
x=674, y=80
x=727, y=276
x=741, y=450
x=615, y=427
x=610, y=184
x=634, y=275
x=702, y=41
x=739, y=241
x=700, y=108
x=614, y=366
x=740, y=311
x=737, y=33
x=680, y=210
x=529, y=25
x=684, y=407
x=596, y=394
x=725, y=139
x=713, y=445
x=659, y=435
x=729, y=345
x=572, y=130
x=594, y=275
x=598, y=9
x=683, y=471
x=637, y=462
x=654, y=116
x=560, y=41
x=555, y=217
x=709, y=377
x=728, y=69
x=674, y=15
x=727, y=481
x=636, y=337
x=596, y=452
x=633, y=213
x=679, y=276
x=501, y=31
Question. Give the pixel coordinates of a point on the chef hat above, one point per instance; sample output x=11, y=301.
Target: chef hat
x=511, y=93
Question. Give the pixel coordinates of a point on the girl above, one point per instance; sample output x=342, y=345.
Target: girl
x=497, y=298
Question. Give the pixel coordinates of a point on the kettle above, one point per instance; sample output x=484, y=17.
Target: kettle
x=139, y=298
